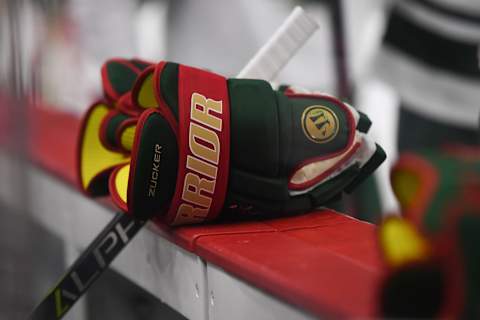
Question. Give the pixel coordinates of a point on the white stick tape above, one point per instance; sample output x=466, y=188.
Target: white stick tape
x=281, y=47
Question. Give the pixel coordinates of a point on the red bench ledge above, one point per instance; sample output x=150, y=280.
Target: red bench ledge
x=323, y=261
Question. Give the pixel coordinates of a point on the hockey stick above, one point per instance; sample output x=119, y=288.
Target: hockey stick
x=340, y=50
x=88, y=267
x=281, y=47
x=293, y=33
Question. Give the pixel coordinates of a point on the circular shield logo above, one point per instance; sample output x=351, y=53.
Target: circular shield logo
x=320, y=124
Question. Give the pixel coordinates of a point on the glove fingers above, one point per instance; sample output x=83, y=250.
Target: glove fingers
x=142, y=95
x=95, y=161
x=140, y=63
x=118, y=77
x=157, y=87
x=153, y=167
x=364, y=122
x=126, y=106
x=368, y=168
x=118, y=185
x=117, y=131
x=107, y=132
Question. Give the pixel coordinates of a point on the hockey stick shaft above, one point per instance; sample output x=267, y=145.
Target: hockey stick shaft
x=340, y=49
x=94, y=260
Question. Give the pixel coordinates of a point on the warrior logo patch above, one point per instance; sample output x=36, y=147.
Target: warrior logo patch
x=320, y=124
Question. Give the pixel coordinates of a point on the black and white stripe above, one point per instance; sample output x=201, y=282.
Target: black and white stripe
x=431, y=56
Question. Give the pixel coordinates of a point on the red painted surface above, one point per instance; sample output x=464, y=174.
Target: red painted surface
x=53, y=142
x=324, y=262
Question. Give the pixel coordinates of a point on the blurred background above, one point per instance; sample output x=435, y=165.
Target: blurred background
x=412, y=66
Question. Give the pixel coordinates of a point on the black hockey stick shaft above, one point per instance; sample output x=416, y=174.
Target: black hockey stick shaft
x=88, y=267
x=344, y=89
